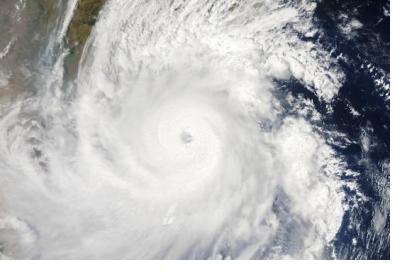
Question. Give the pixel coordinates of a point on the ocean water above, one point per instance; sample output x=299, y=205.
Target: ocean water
x=196, y=130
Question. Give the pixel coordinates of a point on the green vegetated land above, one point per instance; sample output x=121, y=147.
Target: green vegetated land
x=85, y=16
x=79, y=29
x=83, y=20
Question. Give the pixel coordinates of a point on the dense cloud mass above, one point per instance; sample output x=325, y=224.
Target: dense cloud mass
x=175, y=141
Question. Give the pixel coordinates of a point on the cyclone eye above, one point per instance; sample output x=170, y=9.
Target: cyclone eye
x=186, y=137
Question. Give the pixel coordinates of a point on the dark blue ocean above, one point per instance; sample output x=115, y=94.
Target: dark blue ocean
x=362, y=112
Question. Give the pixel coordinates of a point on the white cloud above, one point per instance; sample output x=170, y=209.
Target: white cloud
x=114, y=176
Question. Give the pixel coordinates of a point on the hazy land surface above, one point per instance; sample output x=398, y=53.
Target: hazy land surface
x=194, y=129
x=26, y=27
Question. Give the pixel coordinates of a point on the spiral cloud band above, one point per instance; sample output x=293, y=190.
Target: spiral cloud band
x=175, y=142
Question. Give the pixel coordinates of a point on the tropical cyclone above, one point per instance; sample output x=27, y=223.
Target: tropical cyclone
x=175, y=143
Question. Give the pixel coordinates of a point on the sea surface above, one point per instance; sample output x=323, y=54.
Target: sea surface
x=196, y=130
